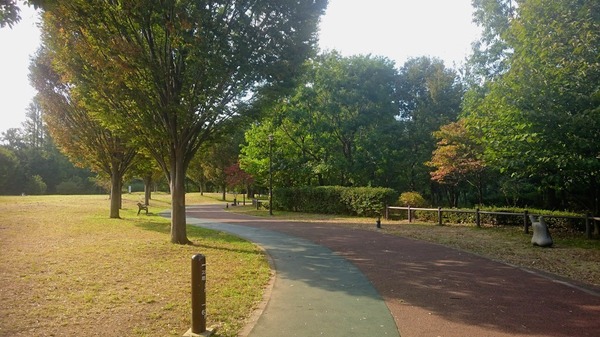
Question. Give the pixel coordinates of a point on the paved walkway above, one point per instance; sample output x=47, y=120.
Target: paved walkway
x=429, y=290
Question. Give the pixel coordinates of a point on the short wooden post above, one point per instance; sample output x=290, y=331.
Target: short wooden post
x=588, y=226
x=387, y=212
x=439, y=216
x=409, y=214
x=198, y=293
x=477, y=217
x=525, y=223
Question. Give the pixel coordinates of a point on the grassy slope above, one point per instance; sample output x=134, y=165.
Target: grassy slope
x=67, y=269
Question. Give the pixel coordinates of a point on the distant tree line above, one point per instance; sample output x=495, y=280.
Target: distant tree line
x=30, y=163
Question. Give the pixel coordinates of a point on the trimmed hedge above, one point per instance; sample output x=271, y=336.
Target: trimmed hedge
x=360, y=201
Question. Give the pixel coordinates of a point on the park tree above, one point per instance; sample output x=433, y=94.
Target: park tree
x=14, y=138
x=9, y=13
x=541, y=119
x=71, y=121
x=176, y=72
x=213, y=159
x=38, y=157
x=237, y=179
x=333, y=129
x=491, y=51
x=9, y=164
x=354, y=97
x=195, y=173
x=145, y=168
x=255, y=154
x=35, y=131
x=430, y=96
x=457, y=158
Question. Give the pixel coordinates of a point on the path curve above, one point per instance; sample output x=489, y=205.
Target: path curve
x=432, y=290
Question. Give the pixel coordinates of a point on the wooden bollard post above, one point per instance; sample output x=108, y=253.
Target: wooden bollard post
x=477, y=217
x=525, y=223
x=198, y=293
x=439, y=216
x=198, y=328
x=409, y=215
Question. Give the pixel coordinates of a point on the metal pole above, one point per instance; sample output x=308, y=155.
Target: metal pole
x=198, y=293
x=270, y=174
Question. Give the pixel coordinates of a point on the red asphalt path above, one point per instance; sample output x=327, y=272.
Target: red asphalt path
x=433, y=290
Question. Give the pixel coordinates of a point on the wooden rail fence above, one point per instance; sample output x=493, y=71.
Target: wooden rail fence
x=589, y=220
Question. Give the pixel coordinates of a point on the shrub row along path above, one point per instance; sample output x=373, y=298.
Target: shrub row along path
x=429, y=289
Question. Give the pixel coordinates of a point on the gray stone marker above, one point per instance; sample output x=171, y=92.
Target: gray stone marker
x=541, y=235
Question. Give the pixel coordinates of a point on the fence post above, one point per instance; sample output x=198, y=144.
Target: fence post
x=198, y=294
x=477, y=217
x=525, y=223
x=439, y=216
x=588, y=225
x=409, y=215
x=387, y=212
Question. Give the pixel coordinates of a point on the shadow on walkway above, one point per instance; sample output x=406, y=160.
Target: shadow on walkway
x=433, y=290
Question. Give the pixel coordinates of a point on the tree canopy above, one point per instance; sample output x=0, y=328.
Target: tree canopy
x=173, y=74
x=539, y=120
x=430, y=96
x=334, y=128
x=81, y=137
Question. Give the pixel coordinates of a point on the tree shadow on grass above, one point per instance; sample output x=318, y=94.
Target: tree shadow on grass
x=201, y=237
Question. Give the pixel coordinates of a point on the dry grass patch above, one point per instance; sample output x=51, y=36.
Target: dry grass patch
x=66, y=270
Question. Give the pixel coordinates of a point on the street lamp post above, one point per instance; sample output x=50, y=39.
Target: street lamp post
x=271, y=174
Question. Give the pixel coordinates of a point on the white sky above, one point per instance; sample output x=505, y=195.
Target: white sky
x=397, y=29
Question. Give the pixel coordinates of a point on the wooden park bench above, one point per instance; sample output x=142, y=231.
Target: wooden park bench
x=142, y=207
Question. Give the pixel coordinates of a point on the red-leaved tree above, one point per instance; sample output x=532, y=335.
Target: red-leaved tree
x=237, y=179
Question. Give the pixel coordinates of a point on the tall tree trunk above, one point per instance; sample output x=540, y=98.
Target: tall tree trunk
x=480, y=188
x=115, y=195
x=178, y=221
x=147, y=189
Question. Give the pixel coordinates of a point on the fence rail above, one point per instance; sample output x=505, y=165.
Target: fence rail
x=588, y=219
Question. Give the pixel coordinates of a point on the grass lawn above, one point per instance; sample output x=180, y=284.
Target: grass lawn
x=66, y=269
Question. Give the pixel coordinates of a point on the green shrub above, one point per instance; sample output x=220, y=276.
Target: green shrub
x=35, y=185
x=412, y=199
x=367, y=201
